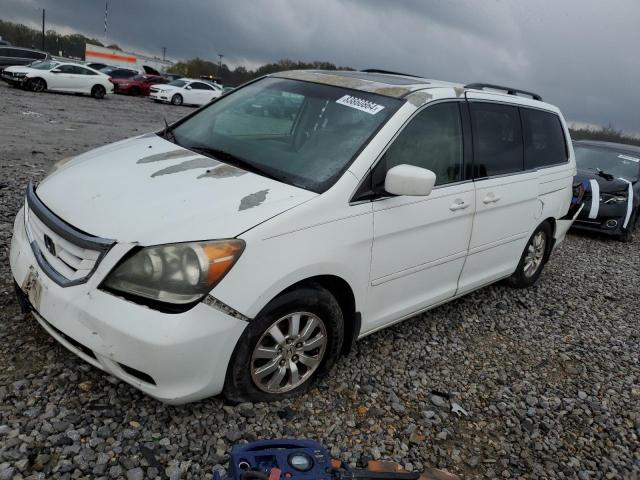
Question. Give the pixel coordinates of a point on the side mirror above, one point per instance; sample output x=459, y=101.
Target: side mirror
x=188, y=87
x=56, y=70
x=409, y=180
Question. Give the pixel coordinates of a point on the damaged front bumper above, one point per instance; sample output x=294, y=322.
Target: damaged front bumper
x=610, y=220
x=175, y=358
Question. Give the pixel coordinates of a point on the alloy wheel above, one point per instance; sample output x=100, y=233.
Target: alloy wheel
x=288, y=352
x=37, y=85
x=535, y=254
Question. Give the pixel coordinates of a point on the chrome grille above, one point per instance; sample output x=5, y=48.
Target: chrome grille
x=69, y=260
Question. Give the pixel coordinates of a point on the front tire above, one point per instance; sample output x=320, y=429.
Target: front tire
x=176, y=99
x=295, y=339
x=37, y=85
x=534, y=258
x=98, y=91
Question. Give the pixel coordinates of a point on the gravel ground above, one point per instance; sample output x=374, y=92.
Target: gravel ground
x=550, y=376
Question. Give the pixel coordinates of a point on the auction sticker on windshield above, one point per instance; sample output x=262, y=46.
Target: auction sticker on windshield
x=360, y=104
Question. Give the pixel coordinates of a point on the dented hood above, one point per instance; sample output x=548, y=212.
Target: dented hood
x=151, y=191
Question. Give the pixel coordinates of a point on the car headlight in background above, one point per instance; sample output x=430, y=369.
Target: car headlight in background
x=179, y=273
x=613, y=198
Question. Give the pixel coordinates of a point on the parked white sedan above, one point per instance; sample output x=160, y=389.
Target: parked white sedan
x=185, y=91
x=68, y=77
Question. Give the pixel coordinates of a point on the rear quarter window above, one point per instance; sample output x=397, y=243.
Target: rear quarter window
x=544, y=140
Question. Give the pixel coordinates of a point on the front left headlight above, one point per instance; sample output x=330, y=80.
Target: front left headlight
x=613, y=198
x=179, y=273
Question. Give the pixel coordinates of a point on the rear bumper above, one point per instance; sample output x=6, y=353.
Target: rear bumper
x=175, y=358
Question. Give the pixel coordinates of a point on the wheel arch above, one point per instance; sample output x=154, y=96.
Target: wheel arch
x=33, y=79
x=344, y=295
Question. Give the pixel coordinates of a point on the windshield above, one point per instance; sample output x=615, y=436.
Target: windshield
x=44, y=65
x=618, y=163
x=301, y=133
x=178, y=83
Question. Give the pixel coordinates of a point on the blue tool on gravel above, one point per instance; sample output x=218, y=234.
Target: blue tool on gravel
x=294, y=460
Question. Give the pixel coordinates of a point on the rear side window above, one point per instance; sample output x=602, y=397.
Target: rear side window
x=544, y=142
x=497, y=139
x=200, y=86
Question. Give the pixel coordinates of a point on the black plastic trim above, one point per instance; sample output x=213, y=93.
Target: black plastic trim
x=62, y=228
x=388, y=72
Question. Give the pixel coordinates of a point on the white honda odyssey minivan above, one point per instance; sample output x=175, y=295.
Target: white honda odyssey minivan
x=244, y=248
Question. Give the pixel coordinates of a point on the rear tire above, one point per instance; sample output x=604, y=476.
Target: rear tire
x=176, y=99
x=534, y=258
x=37, y=85
x=98, y=91
x=135, y=91
x=307, y=349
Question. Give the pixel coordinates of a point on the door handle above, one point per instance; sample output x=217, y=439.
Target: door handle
x=491, y=198
x=459, y=204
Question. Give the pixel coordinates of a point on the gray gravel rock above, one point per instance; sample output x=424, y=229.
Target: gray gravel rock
x=550, y=374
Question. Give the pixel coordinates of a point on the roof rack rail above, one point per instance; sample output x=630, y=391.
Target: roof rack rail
x=387, y=72
x=509, y=90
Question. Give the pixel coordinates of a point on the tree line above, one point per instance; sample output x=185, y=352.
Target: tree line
x=604, y=134
x=198, y=67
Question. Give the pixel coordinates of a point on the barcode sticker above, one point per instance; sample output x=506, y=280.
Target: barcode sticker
x=627, y=157
x=360, y=104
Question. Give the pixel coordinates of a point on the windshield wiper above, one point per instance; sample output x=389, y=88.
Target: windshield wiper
x=604, y=174
x=167, y=132
x=232, y=159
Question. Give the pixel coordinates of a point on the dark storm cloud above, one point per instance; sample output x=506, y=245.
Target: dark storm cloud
x=581, y=55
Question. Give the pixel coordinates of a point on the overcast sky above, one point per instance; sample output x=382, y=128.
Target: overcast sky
x=582, y=55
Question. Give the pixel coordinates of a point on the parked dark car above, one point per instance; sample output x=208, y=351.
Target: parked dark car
x=10, y=55
x=609, y=173
x=98, y=65
x=172, y=76
x=138, y=85
x=117, y=72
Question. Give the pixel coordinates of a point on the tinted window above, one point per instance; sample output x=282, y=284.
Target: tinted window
x=10, y=52
x=432, y=140
x=497, y=139
x=67, y=69
x=544, y=142
x=84, y=71
x=200, y=86
x=121, y=73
